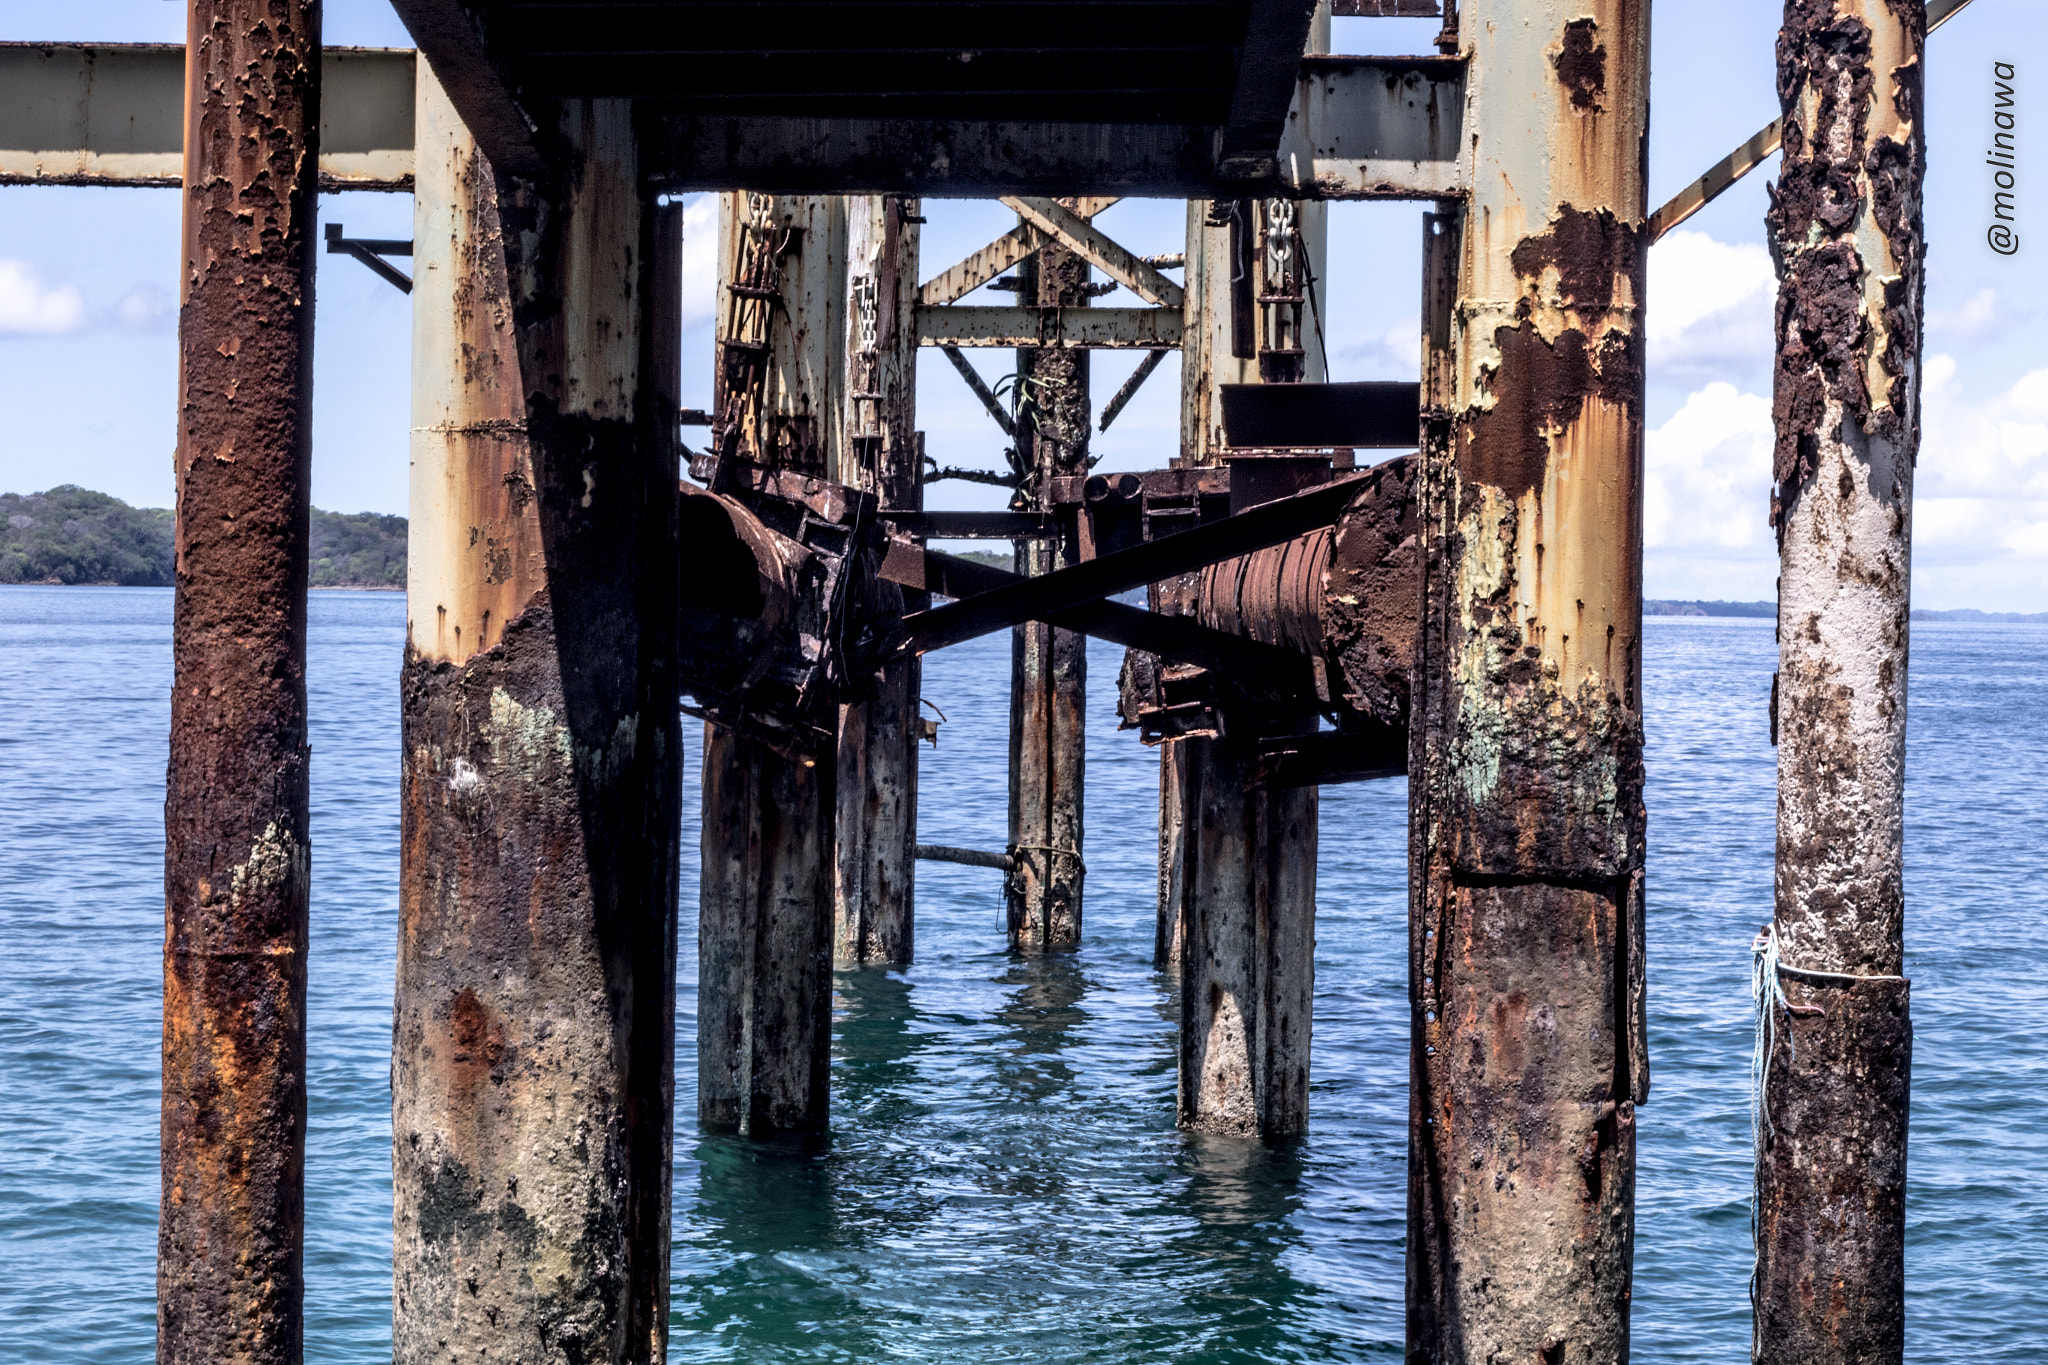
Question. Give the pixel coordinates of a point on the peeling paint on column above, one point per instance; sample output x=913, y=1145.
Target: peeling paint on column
x=1529, y=823
x=230, y=1232
x=533, y=1039
x=1845, y=226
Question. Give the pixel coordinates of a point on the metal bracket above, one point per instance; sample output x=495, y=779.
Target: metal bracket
x=371, y=251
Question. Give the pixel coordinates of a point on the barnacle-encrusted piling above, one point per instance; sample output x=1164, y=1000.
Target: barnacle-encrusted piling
x=1845, y=229
x=231, y=1228
x=1528, y=804
x=533, y=1039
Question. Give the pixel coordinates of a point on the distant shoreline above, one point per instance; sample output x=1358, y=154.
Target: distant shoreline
x=1667, y=607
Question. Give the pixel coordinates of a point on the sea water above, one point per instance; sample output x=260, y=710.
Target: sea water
x=1004, y=1181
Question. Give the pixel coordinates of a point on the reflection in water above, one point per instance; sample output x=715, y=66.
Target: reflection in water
x=1247, y=1197
x=1043, y=1009
x=874, y=1046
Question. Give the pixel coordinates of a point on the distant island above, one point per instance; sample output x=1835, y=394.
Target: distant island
x=1770, y=609
x=73, y=535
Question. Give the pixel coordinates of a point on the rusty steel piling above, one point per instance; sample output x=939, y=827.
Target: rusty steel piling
x=764, y=983
x=231, y=1230
x=770, y=854
x=1048, y=666
x=1247, y=960
x=1845, y=227
x=532, y=1068
x=875, y=915
x=1527, y=808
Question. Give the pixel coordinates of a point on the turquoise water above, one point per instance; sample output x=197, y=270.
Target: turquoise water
x=1004, y=1181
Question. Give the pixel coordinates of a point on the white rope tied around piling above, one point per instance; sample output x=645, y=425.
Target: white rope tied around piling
x=1768, y=991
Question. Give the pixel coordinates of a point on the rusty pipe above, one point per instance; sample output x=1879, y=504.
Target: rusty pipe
x=230, y=1233
x=1345, y=594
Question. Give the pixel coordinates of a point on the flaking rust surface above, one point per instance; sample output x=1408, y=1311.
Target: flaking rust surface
x=236, y=859
x=1845, y=225
x=1529, y=816
x=1049, y=667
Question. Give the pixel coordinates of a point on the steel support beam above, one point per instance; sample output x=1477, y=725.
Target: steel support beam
x=231, y=1223
x=1276, y=34
x=1045, y=328
x=770, y=857
x=875, y=888
x=533, y=1037
x=113, y=114
x=764, y=955
x=1527, y=805
x=517, y=139
x=1845, y=222
x=1247, y=944
x=1048, y=665
x=1377, y=128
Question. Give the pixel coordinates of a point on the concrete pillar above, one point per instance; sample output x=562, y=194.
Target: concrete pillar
x=1845, y=223
x=875, y=914
x=765, y=910
x=1247, y=963
x=231, y=1227
x=533, y=1062
x=1528, y=814
x=1048, y=667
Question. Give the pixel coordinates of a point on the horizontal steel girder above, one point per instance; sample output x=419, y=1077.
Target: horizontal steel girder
x=1129, y=329
x=111, y=114
x=114, y=114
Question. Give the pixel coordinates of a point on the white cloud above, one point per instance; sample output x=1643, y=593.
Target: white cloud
x=29, y=308
x=1984, y=316
x=1707, y=499
x=700, y=261
x=145, y=308
x=1393, y=354
x=1980, y=504
x=1709, y=311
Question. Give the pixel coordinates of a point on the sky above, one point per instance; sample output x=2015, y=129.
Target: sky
x=88, y=291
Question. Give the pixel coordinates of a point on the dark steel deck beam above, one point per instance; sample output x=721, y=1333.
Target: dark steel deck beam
x=452, y=35
x=1268, y=66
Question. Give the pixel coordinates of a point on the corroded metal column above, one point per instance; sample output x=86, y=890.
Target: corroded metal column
x=1845, y=229
x=230, y=1233
x=1247, y=966
x=532, y=1068
x=1528, y=809
x=875, y=916
x=765, y=908
x=1048, y=667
